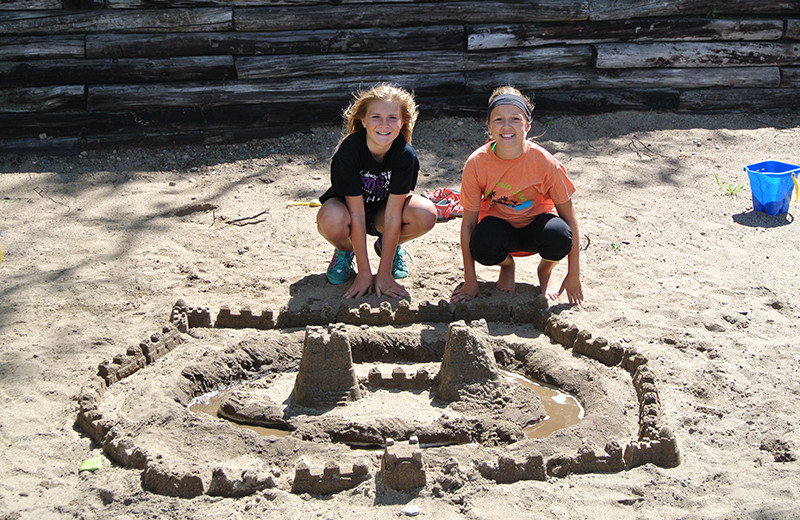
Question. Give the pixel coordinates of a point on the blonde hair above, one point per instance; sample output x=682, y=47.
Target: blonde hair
x=381, y=92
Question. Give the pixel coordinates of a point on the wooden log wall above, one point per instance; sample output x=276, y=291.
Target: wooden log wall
x=78, y=74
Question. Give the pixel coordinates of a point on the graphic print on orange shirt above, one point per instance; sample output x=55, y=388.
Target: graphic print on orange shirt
x=507, y=200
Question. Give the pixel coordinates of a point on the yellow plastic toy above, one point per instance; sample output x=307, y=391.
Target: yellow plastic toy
x=310, y=203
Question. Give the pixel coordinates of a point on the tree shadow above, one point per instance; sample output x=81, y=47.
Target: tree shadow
x=125, y=229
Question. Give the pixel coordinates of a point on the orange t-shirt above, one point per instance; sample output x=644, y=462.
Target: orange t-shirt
x=514, y=190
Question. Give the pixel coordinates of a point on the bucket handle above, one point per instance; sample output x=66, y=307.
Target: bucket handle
x=796, y=188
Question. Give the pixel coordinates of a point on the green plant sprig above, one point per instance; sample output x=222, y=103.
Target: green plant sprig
x=729, y=189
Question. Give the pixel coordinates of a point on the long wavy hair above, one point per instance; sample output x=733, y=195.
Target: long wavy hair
x=381, y=92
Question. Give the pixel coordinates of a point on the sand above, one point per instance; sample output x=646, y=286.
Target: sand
x=97, y=249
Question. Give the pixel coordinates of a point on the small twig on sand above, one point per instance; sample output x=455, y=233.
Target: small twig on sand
x=588, y=242
x=44, y=194
x=246, y=221
x=639, y=147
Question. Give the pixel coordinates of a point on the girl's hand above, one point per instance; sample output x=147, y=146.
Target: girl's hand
x=572, y=286
x=389, y=287
x=465, y=293
x=361, y=285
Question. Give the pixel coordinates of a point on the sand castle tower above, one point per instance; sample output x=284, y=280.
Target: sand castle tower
x=326, y=377
x=470, y=379
x=468, y=360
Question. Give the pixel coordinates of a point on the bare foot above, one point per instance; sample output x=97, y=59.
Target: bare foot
x=547, y=286
x=505, y=282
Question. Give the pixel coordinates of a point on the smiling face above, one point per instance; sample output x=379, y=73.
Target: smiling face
x=509, y=127
x=383, y=122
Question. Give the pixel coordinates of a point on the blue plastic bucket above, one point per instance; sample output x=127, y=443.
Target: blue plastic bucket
x=772, y=183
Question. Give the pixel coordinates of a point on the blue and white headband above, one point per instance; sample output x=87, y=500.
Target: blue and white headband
x=511, y=99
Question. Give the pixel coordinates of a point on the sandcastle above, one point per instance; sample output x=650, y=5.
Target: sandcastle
x=463, y=393
x=478, y=414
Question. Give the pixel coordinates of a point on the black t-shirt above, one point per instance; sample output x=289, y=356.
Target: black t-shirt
x=354, y=171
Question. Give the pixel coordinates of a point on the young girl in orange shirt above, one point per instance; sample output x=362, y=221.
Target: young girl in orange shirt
x=517, y=201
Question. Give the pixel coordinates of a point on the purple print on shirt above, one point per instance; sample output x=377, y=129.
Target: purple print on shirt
x=375, y=186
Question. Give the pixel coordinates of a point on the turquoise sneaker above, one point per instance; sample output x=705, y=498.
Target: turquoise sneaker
x=399, y=265
x=341, y=267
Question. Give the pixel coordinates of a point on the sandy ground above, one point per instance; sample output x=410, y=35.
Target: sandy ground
x=97, y=248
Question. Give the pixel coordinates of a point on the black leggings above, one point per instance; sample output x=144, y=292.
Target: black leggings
x=494, y=238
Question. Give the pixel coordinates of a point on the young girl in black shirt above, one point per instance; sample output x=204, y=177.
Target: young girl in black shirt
x=373, y=172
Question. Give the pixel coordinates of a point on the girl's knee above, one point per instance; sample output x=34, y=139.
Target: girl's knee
x=421, y=213
x=333, y=219
x=488, y=243
x=428, y=216
x=556, y=240
x=486, y=252
x=557, y=248
x=487, y=255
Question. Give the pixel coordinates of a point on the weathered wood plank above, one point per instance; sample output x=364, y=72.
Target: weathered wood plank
x=50, y=147
x=266, y=67
x=115, y=20
x=160, y=4
x=146, y=4
x=556, y=102
x=710, y=100
x=566, y=101
x=126, y=70
x=790, y=77
x=696, y=54
x=624, y=9
x=609, y=100
x=29, y=4
x=190, y=136
x=336, y=88
x=398, y=15
x=167, y=120
x=43, y=99
x=20, y=5
x=793, y=29
x=638, y=78
x=42, y=47
x=544, y=58
x=282, y=42
x=482, y=37
x=468, y=105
